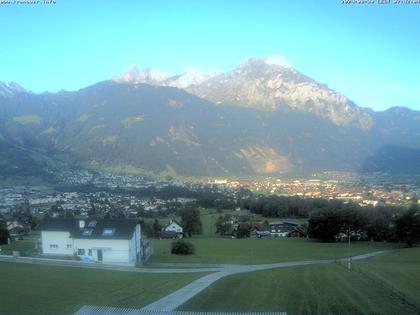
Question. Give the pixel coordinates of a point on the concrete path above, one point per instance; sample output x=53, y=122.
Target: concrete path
x=179, y=297
x=90, y=265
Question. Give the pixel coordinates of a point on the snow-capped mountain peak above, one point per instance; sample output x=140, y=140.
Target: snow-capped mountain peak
x=269, y=83
x=134, y=75
x=191, y=76
x=277, y=60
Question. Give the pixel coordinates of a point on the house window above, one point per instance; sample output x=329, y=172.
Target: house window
x=68, y=246
x=92, y=224
x=108, y=232
x=89, y=252
x=87, y=232
x=53, y=246
x=80, y=252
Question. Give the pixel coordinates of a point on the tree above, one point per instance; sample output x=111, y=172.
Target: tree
x=407, y=226
x=324, y=225
x=190, y=221
x=381, y=225
x=33, y=222
x=329, y=223
x=4, y=236
x=244, y=230
x=4, y=233
x=156, y=228
x=223, y=226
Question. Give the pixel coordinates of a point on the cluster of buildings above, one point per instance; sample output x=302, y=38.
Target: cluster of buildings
x=261, y=228
x=368, y=189
x=43, y=200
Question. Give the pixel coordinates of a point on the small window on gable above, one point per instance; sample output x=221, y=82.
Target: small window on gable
x=87, y=232
x=92, y=223
x=108, y=232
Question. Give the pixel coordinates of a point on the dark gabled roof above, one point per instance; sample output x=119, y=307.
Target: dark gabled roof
x=284, y=223
x=121, y=228
x=57, y=225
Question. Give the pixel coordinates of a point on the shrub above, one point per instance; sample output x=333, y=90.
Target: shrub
x=181, y=247
x=243, y=232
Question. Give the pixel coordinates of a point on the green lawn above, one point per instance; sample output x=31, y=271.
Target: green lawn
x=28, y=244
x=19, y=246
x=318, y=289
x=30, y=289
x=256, y=251
x=399, y=269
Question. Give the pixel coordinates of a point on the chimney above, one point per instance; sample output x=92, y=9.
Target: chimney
x=81, y=224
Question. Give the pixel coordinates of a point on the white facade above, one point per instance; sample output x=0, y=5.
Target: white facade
x=56, y=243
x=174, y=227
x=113, y=251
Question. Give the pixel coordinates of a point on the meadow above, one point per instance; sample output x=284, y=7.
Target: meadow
x=33, y=289
x=321, y=289
x=398, y=270
x=258, y=251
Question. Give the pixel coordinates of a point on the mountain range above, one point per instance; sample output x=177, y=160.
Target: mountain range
x=263, y=117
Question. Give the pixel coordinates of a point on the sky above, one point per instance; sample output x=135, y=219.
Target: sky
x=368, y=52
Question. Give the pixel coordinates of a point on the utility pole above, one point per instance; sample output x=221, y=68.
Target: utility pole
x=348, y=252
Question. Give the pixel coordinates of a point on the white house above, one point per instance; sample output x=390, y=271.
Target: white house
x=174, y=227
x=97, y=240
x=172, y=230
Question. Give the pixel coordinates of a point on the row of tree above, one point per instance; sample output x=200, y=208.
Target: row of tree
x=286, y=207
x=378, y=224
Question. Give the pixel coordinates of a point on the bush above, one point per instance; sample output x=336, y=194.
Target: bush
x=243, y=232
x=182, y=248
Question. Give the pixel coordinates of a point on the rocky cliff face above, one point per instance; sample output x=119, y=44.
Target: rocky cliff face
x=264, y=117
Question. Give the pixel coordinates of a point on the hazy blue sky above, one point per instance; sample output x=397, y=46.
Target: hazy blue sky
x=368, y=52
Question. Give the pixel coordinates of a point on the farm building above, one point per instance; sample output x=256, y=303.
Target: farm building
x=96, y=240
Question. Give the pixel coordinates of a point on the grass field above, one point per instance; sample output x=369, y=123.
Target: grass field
x=30, y=289
x=399, y=269
x=19, y=246
x=256, y=251
x=323, y=289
